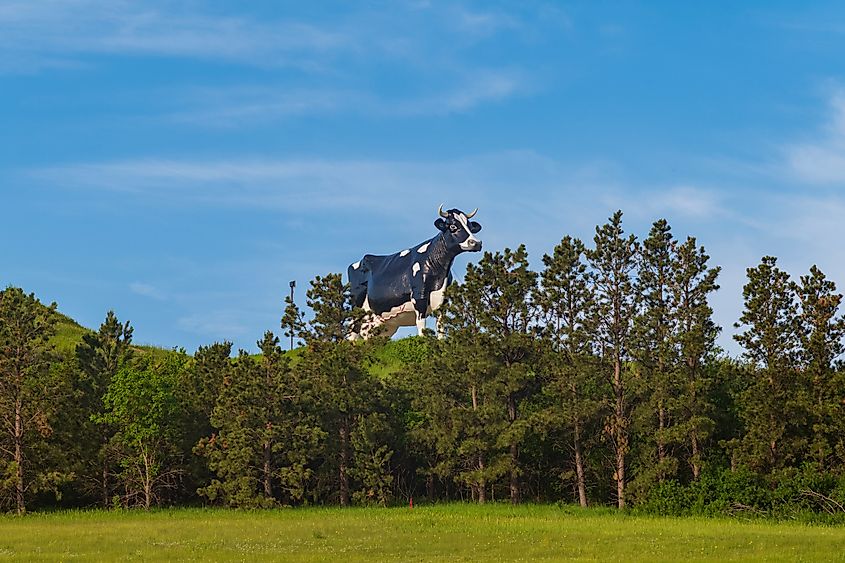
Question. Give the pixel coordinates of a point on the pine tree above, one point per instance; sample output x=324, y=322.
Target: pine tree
x=692, y=282
x=336, y=368
x=653, y=347
x=199, y=391
x=770, y=405
x=567, y=306
x=457, y=395
x=293, y=322
x=499, y=291
x=100, y=355
x=264, y=440
x=25, y=387
x=822, y=331
x=613, y=261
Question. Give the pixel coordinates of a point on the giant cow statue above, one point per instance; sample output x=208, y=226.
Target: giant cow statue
x=404, y=288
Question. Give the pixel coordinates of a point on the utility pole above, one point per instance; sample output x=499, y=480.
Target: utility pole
x=292, y=285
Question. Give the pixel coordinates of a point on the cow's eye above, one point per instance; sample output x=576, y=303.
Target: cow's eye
x=453, y=228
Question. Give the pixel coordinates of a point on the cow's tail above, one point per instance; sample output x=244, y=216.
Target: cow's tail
x=357, y=275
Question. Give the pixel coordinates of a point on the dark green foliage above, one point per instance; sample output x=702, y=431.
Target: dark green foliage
x=804, y=492
x=674, y=346
x=490, y=322
x=345, y=395
x=263, y=439
x=100, y=355
x=692, y=283
x=293, y=322
x=822, y=332
x=198, y=394
x=773, y=409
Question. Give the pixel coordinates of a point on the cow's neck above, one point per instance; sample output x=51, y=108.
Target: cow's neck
x=439, y=255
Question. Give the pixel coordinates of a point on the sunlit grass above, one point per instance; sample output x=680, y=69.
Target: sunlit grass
x=437, y=533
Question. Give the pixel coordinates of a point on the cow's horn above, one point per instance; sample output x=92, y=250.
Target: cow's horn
x=441, y=212
x=471, y=215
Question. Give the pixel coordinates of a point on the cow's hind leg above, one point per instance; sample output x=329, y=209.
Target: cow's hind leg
x=357, y=284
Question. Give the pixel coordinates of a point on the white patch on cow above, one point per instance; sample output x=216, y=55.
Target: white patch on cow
x=366, y=305
x=416, y=268
x=466, y=244
x=390, y=321
x=435, y=299
x=423, y=248
x=420, y=325
x=356, y=265
x=404, y=253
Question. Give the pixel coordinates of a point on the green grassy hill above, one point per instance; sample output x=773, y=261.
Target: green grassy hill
x=69, y=333
x=392, y=358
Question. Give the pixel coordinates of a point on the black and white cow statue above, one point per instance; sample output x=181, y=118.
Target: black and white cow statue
x=404, y=288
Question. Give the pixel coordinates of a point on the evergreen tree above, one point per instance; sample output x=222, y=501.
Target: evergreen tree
x=264, y=440
x=498, y=292
x=101, y=354
x=571, y=382
x=344, y=390
x=771, y=406
x=613, y=261
x=26, y=391
x=293, y=321
x=198, y=392
x=692, y=282
x=822, y=331
x=455, y=394
x=653, y=348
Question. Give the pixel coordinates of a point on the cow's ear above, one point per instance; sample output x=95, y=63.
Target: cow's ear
x=441, y=224
x=474, y=227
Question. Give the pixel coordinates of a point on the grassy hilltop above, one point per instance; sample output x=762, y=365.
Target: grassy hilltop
x=431, y=533
x=390, y=359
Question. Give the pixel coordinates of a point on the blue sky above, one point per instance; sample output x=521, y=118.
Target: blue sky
x=181, y=162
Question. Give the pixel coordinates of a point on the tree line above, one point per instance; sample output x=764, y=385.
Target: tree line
x=596, y=380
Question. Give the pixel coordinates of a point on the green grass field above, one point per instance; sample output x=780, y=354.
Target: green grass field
x=440, y=533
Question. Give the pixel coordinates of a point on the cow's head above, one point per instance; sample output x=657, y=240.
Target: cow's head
x=458, y=230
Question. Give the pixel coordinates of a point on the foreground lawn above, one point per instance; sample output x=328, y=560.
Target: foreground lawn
x=440, y=533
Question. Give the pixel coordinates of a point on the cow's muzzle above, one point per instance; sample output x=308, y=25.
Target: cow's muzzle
x=473, y=245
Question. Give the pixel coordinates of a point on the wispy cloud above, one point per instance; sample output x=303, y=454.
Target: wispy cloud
x=226, y=107
x=63, y=30
x=219, y=325
x=685, y=201
x=821, y=161
x=47, y=33
x=146, y=290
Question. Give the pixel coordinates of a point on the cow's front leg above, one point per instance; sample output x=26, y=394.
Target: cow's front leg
x=420, y=303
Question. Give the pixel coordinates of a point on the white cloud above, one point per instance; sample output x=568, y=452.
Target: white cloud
x=62, y=30
x=240, y=105
x=684, y=201
x=47, y=33
x=146, y=290
x=822, y=161
x=219, y=325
